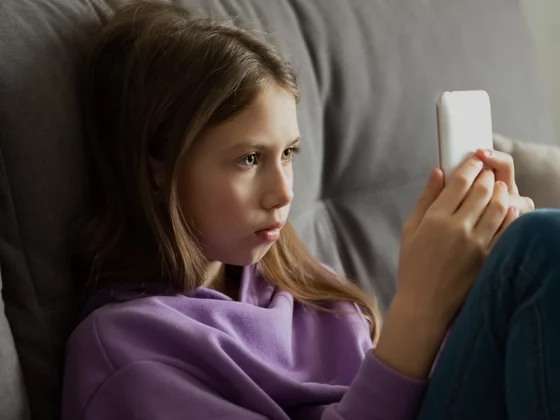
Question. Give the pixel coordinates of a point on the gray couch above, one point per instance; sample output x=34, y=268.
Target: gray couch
x=369, y=72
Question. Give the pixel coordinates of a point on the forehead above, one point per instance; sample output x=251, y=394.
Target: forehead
x=271, y=119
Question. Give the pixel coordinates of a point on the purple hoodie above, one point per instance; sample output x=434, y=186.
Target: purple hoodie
x=207, y=356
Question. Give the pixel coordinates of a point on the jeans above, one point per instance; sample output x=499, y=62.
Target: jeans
x=501, y=359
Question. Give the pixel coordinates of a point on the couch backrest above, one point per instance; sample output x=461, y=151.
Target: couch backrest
x=41, y=181
x=369, y=72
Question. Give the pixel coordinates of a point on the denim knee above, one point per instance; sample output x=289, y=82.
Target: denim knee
x=542, y=224
x=532, y=241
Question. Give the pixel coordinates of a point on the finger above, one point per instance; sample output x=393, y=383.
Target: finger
x=512, y=214
x=502, y=164
x=432, y=190
x=458, y=186
x=477, y=199
x=494, y=214
x=523, y=204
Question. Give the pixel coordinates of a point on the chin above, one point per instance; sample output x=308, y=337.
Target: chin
x=256, y=257
x=249, y=258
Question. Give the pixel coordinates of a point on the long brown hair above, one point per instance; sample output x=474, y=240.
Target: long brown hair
x=157, y=77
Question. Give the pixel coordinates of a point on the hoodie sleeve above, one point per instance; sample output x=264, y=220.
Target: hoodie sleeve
x=378, y=393
x=153, y=390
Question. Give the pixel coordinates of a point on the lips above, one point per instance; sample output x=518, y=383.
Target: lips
x=275, y=225
x=271, y=233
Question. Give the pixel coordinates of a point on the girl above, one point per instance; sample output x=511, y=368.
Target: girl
x=205, y=305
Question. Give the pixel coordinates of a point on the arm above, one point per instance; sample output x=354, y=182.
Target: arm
x=391, y=381
x=378, y=393
x=410, y=339
x=152, y=390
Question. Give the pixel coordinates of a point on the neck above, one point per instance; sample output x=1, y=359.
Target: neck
x=216, y=279
x=214, y=276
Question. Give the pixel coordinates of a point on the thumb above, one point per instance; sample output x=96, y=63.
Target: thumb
x=431, y=192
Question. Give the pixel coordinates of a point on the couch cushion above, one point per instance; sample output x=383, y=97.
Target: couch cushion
x=537, y=169
x=369, y=73
x=41, y=45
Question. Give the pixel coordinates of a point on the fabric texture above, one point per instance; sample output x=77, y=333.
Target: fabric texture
x=263, y=357
x=501, y=361
x=369, y=72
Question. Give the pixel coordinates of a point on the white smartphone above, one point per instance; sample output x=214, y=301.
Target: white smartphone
x=464, y=121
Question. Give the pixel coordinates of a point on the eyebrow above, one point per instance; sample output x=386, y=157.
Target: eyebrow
x=259, y=146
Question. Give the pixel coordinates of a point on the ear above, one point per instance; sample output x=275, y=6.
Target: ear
x=157, y=174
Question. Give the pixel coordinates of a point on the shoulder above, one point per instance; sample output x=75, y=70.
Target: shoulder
x=138, y=330
x=116, y=337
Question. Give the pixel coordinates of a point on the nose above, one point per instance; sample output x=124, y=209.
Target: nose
x=279, y=187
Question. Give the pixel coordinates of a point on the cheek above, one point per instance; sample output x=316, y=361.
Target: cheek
x=220, y=201
x=228, y=198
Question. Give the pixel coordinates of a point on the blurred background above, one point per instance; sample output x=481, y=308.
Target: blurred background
x=542, y=17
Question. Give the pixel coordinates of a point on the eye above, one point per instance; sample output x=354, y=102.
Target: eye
x=290, y=152
x=250, y=160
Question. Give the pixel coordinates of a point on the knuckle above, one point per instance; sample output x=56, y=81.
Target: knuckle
x=480, y=244
x=474, y=165
x=483, y=249
x=484, y=188
x=499, y=206
x=462, y=181
x=461, y=230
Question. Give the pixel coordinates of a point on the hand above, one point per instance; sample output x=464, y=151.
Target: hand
x=446, y=239
x=444, y=244
x=503, y=166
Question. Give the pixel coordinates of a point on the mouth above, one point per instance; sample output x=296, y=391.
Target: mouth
x=270, y=233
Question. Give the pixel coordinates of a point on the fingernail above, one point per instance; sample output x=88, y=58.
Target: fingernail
x=515, y=211
x=502, y=185
x=487, y=152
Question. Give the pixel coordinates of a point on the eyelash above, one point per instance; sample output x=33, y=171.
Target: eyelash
x=295, y=150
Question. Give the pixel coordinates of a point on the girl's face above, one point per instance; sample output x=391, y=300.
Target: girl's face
x=236, y=183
